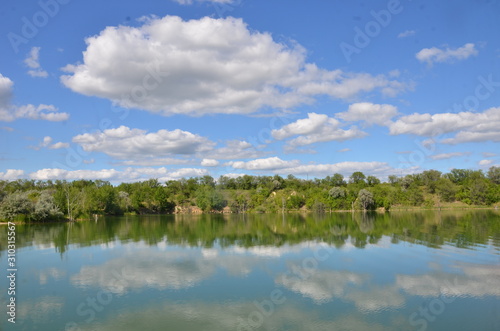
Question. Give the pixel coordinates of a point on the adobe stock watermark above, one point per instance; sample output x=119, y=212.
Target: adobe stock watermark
x=483, y=91
x=428, y=312
x=223, y=8
x=485, y=88
x=138, y=93
x=264, y=136
x=363, y=36
x=30, y=26
x=267, y=307
x=93, y=305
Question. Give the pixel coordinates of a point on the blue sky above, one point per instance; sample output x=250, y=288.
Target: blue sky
x=128, y=90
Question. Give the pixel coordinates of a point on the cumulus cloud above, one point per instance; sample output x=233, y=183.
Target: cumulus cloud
x=369, y=113
x=272, y=163
x=9, y=112
x=236, y=149
x=127, y=143
x=126, y=175
x=47, y=143
x=205, y=66
x=484, y=163
x=322, y=285
x=32, y=62
x=11, y=174
x=470, y=127
x=277, y=165
x=434, y=54
x=5, y=92
x=209, y=163
x=316, y=128
x=40, y=112
x=171, y=271
x=476, y=281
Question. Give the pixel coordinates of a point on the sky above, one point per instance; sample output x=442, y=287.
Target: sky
x=125, y=91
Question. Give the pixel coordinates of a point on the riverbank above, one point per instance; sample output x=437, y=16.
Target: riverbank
x=455, y=206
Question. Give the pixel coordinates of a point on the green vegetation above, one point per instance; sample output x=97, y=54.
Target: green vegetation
x=464, y=229
x=29, y=200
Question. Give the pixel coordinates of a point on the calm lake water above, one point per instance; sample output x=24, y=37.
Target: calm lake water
x=397, y=271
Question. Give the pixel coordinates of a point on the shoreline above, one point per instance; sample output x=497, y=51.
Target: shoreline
x=397, y=209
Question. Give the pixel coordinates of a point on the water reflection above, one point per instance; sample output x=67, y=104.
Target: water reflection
x=159, y=270
x=463, y=229
x=336, y=272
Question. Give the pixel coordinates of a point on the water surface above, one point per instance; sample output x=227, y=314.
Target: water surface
x=397, y=271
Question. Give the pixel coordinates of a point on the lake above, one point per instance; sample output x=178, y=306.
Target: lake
x=362, y=271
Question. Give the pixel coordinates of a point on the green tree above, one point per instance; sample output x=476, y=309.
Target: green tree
x=15, y=204
x=357, y=178
x=446, y=190
x=372, y=181
x=430, y=179
x=494, y=175
x=365, y=198
x=45, y=208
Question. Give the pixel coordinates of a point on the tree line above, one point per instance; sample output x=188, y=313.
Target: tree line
x=40, y=201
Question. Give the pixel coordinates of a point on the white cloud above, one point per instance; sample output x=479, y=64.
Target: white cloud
x=233, y=175
x=343, y=150
x=369, y=113
x=302, y=126
x=209, y=163
x=9, y=112
x=485, y=162
x=322, y=285
x=58, y=145
x=316, y=128
x=11, y=174
x=434, y=54
x=185, y=173
x=378, y=169
x=126, y=143
x=126, y=175
x=476, y=281
x=407, y=33
x=470, y=126
x=167, y=271
x=446, y=156
x=271, y=163
x=486, y=154
x=5, y=92
x=40, y=112
x=205, y=66
x=32, y=62
x=236, y=149
x=47, y=143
